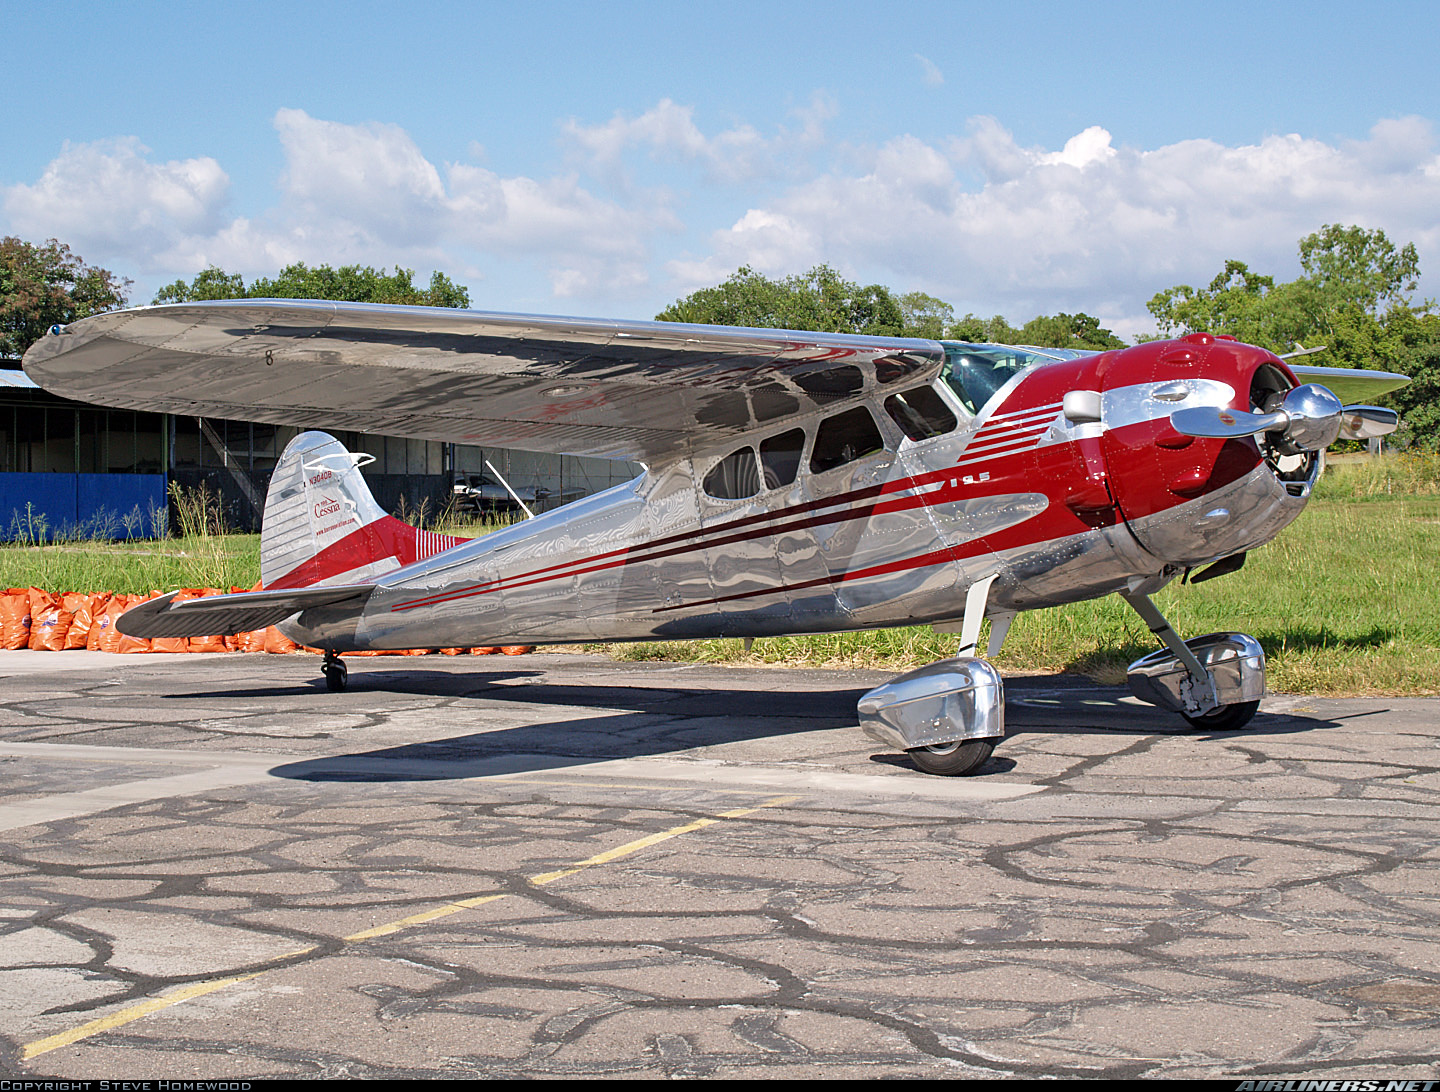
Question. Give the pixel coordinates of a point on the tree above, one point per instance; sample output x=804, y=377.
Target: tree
x=1062, y=331
x=818, y=300
x=995, y=330
x=44, y=285
x=357, y=284
x=822, y=300
x=925, y=316
x=1349, y=275
x=1419, y=401
x=1359, y=268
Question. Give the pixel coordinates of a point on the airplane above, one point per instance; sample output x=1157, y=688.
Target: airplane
x=794, y=482
x=480, y=494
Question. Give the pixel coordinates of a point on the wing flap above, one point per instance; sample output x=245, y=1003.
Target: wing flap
x=223, y=615
x=636, y=390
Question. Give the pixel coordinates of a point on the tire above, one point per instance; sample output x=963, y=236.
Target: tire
x=953, y=759
x=336, y=676
x=1225, y=719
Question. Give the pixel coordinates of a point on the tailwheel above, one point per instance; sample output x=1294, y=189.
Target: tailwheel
x=336, y=675
x=956, y=759
x=1227, y=718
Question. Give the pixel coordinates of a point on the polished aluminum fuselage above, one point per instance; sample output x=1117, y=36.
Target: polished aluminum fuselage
x=1019, y=492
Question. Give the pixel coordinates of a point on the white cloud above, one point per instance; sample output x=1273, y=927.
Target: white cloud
x=667, y=132
x=108, y=197
x=977, y=218
x=349, y=193
x=1090, y=227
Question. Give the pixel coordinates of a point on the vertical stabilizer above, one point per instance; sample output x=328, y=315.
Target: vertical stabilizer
x=322, y=526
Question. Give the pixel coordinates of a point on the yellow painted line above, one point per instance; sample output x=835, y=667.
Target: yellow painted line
x=200, y=989
x=134, y=1012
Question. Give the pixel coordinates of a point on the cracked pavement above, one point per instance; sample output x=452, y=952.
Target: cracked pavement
x=564, y=866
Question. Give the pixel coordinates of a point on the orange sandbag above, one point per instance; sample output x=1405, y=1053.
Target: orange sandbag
x=275, y=641
x=252, y=640
x=99, y=621
x=49, y=622
x=15, y=618
x=516, y=650
x=104, y=634
x=485, y=650
x=82, y=610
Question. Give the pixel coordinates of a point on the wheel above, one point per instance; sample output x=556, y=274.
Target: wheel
x=1225, y=719
x=335, y=675
x=953, y=759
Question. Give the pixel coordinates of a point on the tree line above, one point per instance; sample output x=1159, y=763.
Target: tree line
x=1354, y=295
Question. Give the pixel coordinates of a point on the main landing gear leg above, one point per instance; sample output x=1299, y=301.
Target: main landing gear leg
x=333, y=668
x=947, y=716
x=1214, y=682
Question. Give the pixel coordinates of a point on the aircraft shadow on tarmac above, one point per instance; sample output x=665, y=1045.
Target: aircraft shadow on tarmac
x=665, y=719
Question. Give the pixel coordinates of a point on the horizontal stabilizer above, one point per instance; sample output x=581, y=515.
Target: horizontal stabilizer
x=223, y=615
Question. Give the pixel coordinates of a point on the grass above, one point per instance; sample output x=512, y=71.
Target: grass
x=1343, y=601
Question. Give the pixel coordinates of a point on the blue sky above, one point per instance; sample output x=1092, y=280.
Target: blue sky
x=605, y=159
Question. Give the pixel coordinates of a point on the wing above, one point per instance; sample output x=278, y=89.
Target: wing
x=633, y=390
x=227, y=614
x=1350, y=385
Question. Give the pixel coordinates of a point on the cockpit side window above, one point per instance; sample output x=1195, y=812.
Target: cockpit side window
x=976, y=372
x=780, y=457
x=734, y=477
x=920, y=413
x=844, y=438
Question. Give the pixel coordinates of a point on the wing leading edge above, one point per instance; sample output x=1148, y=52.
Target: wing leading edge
x=634, y=390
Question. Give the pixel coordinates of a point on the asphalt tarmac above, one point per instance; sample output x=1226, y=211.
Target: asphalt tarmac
x=557, y=865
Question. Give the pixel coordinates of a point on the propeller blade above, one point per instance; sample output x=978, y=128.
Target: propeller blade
x=1308, y=420
x=1367, y=422
x=1217, y=423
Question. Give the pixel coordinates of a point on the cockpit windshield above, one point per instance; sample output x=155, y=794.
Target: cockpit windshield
x=976, y=372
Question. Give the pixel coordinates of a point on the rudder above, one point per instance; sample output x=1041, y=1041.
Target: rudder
x=322, y=525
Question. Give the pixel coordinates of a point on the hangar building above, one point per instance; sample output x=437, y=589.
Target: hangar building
x=70, y=468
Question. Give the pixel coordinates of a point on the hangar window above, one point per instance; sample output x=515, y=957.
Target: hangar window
x=780, y=457
x=734, y=477
x=844, y=438
x=921, y=413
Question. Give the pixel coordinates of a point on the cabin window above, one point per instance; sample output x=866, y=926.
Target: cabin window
x=780, y=457
x=920, y=413
x=844, y=438
x=734, y=477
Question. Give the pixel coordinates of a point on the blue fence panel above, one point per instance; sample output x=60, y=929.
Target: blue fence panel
x=121, y=505
x=42, y=507
x=36, y=507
